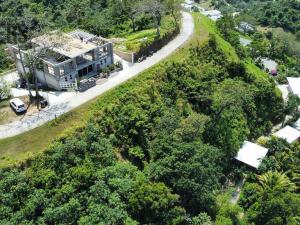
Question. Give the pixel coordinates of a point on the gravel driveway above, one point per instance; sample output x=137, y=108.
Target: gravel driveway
x=29, y=122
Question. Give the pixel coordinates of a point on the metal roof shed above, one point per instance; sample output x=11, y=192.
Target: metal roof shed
x=288, y=133
x=251, y=154
x=294, y=85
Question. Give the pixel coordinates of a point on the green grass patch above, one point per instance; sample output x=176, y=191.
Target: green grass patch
x=134, y=41
x=211, y=27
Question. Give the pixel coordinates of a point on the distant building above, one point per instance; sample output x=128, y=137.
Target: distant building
x=245, y=42
x=234, y=14
x=288, y=133
x=294, y=85
x=245, y=27
x=270, y=66
x=251, y=154
x=213, y=14
x=70, y=58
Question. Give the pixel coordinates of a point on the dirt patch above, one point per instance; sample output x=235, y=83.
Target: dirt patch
x=8, y=115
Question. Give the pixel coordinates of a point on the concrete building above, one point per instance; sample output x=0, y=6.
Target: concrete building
x=66, y=58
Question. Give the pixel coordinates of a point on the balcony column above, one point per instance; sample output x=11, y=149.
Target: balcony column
x=111, y=52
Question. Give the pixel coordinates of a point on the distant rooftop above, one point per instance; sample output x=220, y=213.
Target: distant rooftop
x=288, y=133
x=297, y=124
x=213, y=14
x=79, y=34
x=269, y=64
x=294, y=85
x=70, y=45
x=245, y=42
x=251, y=154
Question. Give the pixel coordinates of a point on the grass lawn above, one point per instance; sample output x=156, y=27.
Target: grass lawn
x=133, y=41
x=23, y=146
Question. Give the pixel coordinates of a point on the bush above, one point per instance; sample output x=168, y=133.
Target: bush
x=4, y=90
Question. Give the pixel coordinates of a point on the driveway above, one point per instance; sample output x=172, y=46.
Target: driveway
x=130, y=70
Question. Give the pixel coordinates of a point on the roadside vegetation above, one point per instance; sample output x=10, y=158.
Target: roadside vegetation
x=5, y=63
x=135, y=41
x=156, y=150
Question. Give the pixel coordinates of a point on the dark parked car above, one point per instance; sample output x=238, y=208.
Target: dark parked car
x=43, y=103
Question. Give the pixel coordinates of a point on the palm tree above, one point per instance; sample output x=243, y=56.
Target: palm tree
x=276, y=181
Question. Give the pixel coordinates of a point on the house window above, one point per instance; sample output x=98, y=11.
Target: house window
x=90, y=68
x=101, y=62
x=105, y=61
x=50, y=70
x=66, y=79
x=71, y=77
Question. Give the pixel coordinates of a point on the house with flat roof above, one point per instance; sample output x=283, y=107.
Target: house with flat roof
x=245, y=27
x=270, y=66
x=294, y=85
x=288, y=133
x=68, y=58
x=251, y=154
x=213, y=14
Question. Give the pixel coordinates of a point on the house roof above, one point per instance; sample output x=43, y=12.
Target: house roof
x=288, y=133
x=269, y=64
x=79, y=34
x=297, y=124
x=294, y=84
x=212, y=13
x=64, y=44
x=245, y=42
x=251, y=154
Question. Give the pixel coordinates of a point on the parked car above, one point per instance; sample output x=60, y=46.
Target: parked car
x=18, y=105
x=43, y=103
x=21, y=84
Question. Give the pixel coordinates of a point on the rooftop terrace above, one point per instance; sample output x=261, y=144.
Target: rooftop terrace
x=66, y=44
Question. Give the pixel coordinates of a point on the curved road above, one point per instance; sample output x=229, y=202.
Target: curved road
x=29, y=122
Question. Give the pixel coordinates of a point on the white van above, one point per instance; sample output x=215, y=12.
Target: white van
x=18, y=105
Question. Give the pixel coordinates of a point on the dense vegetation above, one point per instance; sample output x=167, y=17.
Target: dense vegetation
x=279, y=13
x=273, y=197
x=158, y=154
x=277, y=40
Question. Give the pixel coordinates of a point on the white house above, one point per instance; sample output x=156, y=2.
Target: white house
x=213, y=14
x=245, y=27
x=270, y=66
x=294, y=85
x=288, y=133
x=245, y=42
x=251, y=154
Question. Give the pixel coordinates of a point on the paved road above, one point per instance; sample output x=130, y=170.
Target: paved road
x=29, y=122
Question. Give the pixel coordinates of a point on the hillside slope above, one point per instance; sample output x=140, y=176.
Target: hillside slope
x=156, y=150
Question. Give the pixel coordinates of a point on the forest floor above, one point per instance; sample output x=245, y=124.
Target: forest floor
x=25, y=145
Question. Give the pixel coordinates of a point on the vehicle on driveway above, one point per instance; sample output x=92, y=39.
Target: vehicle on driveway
x=18, y=105
x=43, y=103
